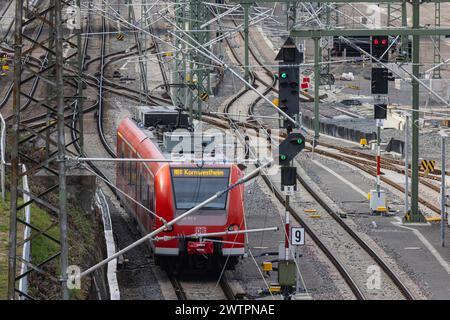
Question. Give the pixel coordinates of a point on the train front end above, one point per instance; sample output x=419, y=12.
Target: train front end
x=179, y=188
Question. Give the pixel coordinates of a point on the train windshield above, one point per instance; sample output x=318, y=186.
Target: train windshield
x=192, y=186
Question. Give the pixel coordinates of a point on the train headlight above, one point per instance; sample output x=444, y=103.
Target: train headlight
x=233, y=227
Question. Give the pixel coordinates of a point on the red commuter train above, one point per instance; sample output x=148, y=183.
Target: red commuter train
x=170, y=189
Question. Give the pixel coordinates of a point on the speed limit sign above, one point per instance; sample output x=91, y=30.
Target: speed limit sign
x=297, y=236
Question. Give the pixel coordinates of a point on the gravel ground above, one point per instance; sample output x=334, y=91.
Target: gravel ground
x=262, y=210
x=334, y=190
x=429, y=146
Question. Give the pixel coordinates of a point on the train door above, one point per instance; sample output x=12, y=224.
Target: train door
x=144, y=197
x=134, y=183
x=139, y=191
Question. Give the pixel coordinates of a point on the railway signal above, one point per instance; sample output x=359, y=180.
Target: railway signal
x=379, y=81
x=289, y=79
x=290, y=147
x=380, y=45
x=379, y=88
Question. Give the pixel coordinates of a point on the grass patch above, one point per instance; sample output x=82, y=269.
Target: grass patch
x=4, y=226
x=81, y=243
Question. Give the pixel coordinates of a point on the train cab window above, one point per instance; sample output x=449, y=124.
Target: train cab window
x=193, y=186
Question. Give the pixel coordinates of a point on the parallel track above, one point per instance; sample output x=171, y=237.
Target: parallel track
x=344, y=273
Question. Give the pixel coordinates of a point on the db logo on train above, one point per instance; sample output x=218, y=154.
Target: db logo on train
x=200, y=230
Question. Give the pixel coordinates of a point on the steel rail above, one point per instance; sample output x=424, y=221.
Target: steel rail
x=392, y=275
x=332, y=258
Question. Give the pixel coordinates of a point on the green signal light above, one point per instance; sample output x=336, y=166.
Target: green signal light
x=283, y=157
x=284, y=75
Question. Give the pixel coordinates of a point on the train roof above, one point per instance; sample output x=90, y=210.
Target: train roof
x=169, y=130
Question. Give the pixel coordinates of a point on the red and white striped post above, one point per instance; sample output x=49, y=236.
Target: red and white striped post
x=287, y=230
x=379, y=124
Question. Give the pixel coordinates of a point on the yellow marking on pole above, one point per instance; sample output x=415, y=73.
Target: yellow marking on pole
x=310, y=210
x=204, y=96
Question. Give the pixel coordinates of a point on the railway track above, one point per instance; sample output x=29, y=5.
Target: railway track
x=351, y=282
x=191, y=288
x=35, y=79
x=185, y=289
x=333, y=259
x=340, y=154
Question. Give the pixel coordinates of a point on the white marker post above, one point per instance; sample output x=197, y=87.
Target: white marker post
x=297, y=239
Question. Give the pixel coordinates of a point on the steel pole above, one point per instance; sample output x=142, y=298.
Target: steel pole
x=80, y=85
x=415, y=213
x=378, y=156
x=443, y=200
x=246, y=35
x=286, y=230
x=406, y=151
x=18, y=21
x=404, y=38
x=2, y=155
x=316, y=88
x=59, y=59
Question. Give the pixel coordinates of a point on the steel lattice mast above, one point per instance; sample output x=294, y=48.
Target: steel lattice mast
x=57, y=70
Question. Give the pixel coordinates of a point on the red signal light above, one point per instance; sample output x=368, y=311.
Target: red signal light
x=384, y=42
x=375, y=41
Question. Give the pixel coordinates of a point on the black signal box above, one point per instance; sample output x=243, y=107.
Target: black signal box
x=380, y=45
x=380, y=81
x=289, y=177
x=290, y=147
x=380, y=111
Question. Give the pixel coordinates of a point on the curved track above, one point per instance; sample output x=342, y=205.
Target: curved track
x=360, y=242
